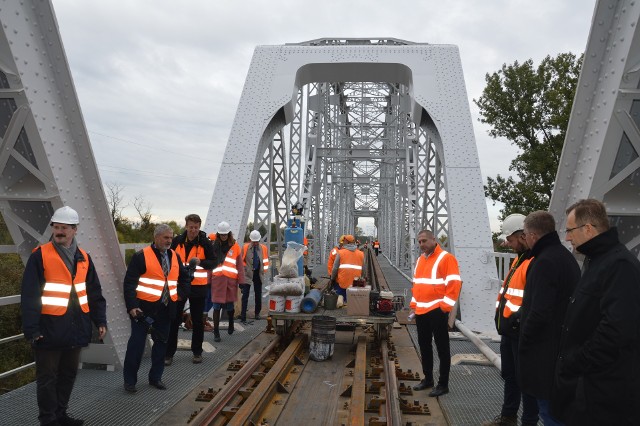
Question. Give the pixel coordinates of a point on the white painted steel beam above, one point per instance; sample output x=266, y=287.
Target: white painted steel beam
x=46, y=159
x=365, y=101
x=600, y=158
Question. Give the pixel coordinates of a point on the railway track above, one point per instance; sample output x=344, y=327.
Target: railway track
x=362, y=384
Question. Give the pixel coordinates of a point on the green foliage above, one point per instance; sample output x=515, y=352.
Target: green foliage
x=530, y=107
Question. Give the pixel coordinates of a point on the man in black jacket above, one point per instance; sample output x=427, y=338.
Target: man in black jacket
x=154, y=282
x=61, y=297
x=552, y=275
x=598, y=369
x=193, y=246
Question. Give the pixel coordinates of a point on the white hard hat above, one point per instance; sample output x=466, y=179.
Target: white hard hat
x=255, y=235
x=512, y=223
x=65, y=215
x=224, y=228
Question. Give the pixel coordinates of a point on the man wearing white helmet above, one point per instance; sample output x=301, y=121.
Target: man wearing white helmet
x=507, y=319
x=256, y=266
x=225, y=276
x=61, y=297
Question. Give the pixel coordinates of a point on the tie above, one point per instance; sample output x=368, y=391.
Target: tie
x=256, y=259
x=165, y=268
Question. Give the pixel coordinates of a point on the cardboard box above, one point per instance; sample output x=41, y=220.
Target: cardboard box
x=358, y=301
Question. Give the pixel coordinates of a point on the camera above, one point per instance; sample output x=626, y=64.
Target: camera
x=142, y=318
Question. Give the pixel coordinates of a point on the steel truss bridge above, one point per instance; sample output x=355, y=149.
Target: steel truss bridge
x=350, y=128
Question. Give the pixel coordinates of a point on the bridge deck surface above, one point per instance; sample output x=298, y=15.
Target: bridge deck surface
x=99, y=397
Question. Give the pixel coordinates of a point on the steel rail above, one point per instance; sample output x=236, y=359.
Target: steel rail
x=263, y=393
x=359, y=386
x=217, y=404
x=392, y=397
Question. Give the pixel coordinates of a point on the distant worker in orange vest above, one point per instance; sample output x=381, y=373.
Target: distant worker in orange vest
x=61, y=296
x=153, y=284
x=347, y=266
x=507, y=319
x=305, y=241
x=225, y=277
x=436, y=287
x=333, y=253
x=256, y=266
x=376, y=246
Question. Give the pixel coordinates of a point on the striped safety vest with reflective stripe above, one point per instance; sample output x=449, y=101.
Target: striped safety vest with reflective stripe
x=436, y=282
x=200, y=274
x=151, y=283
x=515, y=287
x=58, y=282
x=228, y=268
x=350, y=267
x=265, y=256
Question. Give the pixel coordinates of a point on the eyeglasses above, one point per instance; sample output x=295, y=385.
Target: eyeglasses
x=568, y=230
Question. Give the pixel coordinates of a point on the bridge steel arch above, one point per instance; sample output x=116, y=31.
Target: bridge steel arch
x=600, y=158
x=46, y=160
x=438, y=182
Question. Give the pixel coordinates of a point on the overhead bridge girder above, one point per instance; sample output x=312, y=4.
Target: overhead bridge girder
x=601, y=155
x=418, y=131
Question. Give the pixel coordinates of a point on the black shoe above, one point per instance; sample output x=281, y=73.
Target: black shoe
x=424, y=384
x=130, y=388
x=230, y=329
x=439, y=391
x=158, y=385
x=216, y=336
x=65, y=420
x=257, y=317
x=168, y=361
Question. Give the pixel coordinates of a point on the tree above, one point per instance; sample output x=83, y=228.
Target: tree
x=530, y=107
x=115, y=201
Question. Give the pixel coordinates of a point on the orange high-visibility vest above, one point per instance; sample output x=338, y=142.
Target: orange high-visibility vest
x=58, y=282
x=228, y=268
x=332, y=258
x=200, y=274
x=515, y=283
x=376, y=244
x=306, y=243
x=436, y=282
x=350, y=267
x=151, y=283
x=265, y=256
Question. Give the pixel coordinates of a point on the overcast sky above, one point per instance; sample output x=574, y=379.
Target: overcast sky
x=159, y=81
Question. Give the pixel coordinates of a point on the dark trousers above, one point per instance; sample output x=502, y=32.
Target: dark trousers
x=245, y=289
x=434, y=324
x=55, y=375
x=137, y=342
x=376, y=249
x=196, y=307
x=512, y=394
x=340, y=291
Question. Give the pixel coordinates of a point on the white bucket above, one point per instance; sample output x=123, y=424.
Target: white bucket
x=276, y=303
x=292, y=304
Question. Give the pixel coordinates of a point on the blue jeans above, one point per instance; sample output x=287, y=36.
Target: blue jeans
x=545, y=414
x=340, y=291
x=512, y=394
x=137, y=342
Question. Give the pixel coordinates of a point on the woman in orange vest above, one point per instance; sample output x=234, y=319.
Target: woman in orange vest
x=226, y=276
